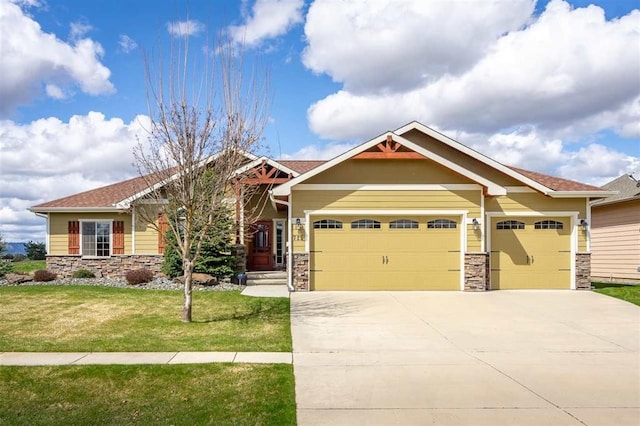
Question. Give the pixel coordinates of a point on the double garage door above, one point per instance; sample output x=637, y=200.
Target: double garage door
x=385, y=253
x=424, y=253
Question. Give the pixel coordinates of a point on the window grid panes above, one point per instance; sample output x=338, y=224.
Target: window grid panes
x=327, y=224
x=96, y=239
x=441, y=224
x=365, y=224
x=510, y=224
x=403, y=224
x=548, y=224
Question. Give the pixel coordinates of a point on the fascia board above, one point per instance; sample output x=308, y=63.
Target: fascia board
x=581, y=194
x=76, y=210
x=269, y=161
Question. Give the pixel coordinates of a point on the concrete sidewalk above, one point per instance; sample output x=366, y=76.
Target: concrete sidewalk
x=266, y=291
x=94, y=358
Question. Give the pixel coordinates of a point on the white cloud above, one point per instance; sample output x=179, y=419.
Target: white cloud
x=54, y=91
x=268, y=19
x=186, y=28
x=32, y=59
x=48, y=159
x=79, y=30
x=316, y=152
x=568, y=71
x=127, y=44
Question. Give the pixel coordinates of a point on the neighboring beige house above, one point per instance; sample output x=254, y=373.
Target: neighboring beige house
x=410, y=209
x=615, y=233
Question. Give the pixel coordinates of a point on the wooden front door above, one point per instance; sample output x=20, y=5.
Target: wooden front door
x=261, y=250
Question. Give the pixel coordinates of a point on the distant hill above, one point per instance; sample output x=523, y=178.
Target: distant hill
x=15, y=248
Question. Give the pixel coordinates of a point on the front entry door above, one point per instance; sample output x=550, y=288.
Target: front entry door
x=261, y=251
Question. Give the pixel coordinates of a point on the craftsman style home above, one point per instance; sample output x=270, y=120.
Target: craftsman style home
x=410, y=209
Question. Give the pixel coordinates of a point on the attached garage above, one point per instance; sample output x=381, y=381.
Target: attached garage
x=531, y=252
x=371, y=252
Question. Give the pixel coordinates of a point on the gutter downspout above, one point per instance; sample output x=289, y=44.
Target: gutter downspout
x=289, y=240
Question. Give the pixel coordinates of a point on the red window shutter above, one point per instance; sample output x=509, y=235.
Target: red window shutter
x=163, y=226
x=118, y=237
x=74, y=237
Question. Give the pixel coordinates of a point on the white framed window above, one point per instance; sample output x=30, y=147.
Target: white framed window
x=403, y=224
x=365, y=224
x=95, y=238
x=510, y=224
x=327, y=224
x=441, y=224
x=548, y=224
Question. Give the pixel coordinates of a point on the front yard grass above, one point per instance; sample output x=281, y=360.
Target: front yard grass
x=102, y=319
x=220, y=394
x=628, y=292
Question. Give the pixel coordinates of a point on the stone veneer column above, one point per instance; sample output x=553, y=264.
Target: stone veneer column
x=109, y=267
x=300, y=263
x=583, y=271
x=476, y=272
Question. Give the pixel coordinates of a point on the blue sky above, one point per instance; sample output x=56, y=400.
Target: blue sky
x=551, y=86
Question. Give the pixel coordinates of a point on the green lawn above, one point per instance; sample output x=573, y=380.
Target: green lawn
x=630, y=293
x=205, y=394
x=26, y=266
x=84, y=318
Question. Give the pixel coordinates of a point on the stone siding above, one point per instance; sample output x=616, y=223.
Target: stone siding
x=476, y=272
x=240, y=252
x=583, y=271
x=110, y=267
x=301, y=271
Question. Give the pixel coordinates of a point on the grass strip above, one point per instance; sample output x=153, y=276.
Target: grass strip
x=215, y=394
x=628, y=292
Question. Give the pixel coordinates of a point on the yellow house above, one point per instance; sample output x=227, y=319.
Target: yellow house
x=409, y=209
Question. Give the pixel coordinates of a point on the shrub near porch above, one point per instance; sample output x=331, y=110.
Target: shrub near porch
x=79, y=319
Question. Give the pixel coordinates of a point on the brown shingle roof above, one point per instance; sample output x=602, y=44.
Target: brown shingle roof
x=555, y=183
x=105, y=196
x=301, y=166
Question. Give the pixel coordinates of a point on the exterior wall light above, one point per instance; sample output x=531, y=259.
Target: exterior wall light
x=298, y=223
x=475, y=224
x=584, y=225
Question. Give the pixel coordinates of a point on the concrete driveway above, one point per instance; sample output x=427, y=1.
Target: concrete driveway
x=450, y=358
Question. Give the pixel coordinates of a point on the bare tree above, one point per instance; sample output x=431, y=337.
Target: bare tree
x=207, y=112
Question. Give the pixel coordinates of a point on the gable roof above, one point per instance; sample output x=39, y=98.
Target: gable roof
x=301, y=166
x=626, y=188
x=547, y=185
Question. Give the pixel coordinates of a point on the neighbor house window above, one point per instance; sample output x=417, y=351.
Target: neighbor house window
x=510, y=224
x=441, y=224
x=403, y=224
x=96, y=238
x=365, y=224
x=327, y=224
x=548, y=224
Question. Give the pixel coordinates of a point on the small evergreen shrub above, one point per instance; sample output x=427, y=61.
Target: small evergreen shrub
x=5, y=268
x=43, y=275
x=83, y=273
x=138, y=276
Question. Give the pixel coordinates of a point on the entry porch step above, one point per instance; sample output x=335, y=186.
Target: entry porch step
x=267, y=278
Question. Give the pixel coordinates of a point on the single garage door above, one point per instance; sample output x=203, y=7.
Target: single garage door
x=531, y=253
x=385, y=253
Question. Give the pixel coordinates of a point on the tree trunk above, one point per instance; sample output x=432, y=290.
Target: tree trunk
x=188, y=277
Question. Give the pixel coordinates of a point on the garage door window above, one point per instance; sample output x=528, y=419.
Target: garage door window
x=365, y=224
x=327, y=224
x=510, y=224
x=441, y=224
x=548, y=224
x=403, y=224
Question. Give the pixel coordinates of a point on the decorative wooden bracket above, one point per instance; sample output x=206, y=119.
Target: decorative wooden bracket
x=388, y=150
x=266, y=176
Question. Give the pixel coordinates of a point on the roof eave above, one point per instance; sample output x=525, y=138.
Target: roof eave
x=581, y=194
x=77, y=209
